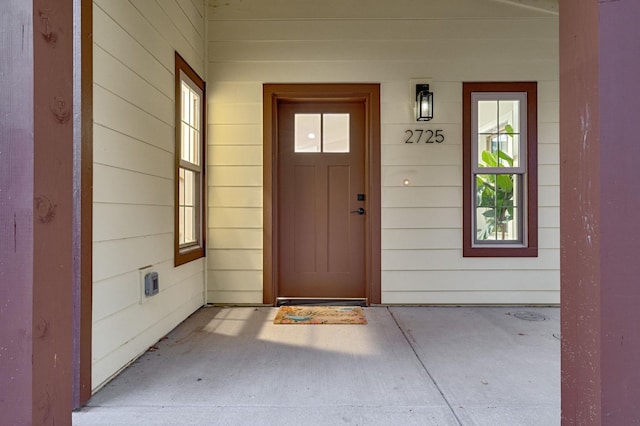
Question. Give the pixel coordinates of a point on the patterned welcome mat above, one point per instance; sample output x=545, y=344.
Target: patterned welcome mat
x=320, y=315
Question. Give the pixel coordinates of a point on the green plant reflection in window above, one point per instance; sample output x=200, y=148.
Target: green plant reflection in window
x=496, y=198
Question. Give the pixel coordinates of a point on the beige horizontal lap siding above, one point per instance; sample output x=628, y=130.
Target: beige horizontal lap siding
x=260, y=41
x=134, y=145
x=235, y=194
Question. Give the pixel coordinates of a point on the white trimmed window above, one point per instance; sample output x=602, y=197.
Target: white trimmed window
x=189, y=171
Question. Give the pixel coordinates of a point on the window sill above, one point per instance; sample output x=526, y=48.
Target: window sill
x=500, y=252
x=188, y=254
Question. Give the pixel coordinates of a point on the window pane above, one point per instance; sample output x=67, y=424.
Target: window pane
x=188, y=187
x=192, y=155
x=509, y=116
x=335, y=133
x=185, y=102
x=307, y=133
x=190, y=106
x=195, y=117
x=195, y=139
x=485, y=192
x=181, y=238
x=488, y=145
x=188, y=203
x=487, y=116
x=497, y=203
x=181, y=188
x=187, y=155
x=484, y=217
x=510, y=150
x=509, y=113
x=498, y=150
x=190, y=144
x=189, y=225
x=487, y=133
x=185, y=150
x=181, y=197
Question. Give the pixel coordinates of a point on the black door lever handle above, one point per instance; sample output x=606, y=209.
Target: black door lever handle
x=360, y=211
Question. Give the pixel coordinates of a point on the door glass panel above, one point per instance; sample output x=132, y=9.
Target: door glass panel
x=307, y=133
x=335, y=129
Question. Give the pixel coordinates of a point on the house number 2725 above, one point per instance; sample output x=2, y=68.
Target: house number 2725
x=424, y=136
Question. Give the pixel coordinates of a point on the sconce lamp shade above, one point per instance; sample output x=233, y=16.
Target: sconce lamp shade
x=424, y=103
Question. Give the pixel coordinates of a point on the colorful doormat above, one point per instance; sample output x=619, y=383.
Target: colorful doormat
x=320, y=315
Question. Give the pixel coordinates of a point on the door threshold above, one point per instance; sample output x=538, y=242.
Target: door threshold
x=324, y=301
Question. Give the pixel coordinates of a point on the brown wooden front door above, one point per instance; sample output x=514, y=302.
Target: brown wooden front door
x=321, y=199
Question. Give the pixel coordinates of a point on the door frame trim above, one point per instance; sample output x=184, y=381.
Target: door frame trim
x=83, y=210
x=369, y=94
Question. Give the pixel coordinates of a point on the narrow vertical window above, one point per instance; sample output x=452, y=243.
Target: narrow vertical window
x=500, y=169
x=189, y=238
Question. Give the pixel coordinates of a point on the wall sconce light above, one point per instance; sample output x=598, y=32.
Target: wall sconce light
x=424, y=103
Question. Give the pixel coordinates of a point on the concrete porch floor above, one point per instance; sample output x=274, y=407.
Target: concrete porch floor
x=407, y=366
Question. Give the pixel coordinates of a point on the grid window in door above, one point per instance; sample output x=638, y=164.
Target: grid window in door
x=189, y=223
x=322, y=133
x=500, y=184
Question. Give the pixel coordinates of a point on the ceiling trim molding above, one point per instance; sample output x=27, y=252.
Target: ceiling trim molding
x=547, y=6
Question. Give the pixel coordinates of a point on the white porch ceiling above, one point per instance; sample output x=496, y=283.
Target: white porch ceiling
x=397, y=9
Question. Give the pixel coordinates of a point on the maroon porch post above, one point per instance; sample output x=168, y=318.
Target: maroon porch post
x=600, y=206
x=36, y=211
x=16, y=210
x=83, y=202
